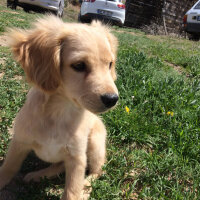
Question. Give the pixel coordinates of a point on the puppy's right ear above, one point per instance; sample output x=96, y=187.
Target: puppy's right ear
x=38, y=52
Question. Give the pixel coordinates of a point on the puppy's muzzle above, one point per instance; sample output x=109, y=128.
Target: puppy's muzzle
x=109, y=99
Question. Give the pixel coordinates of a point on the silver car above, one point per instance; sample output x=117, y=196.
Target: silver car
x=55, y=6
x=106, y=10
x=191, y=21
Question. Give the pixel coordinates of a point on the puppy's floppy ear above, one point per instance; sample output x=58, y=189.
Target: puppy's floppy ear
x=38, y=51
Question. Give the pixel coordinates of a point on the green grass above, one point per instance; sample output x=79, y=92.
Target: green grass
x=162, y=151
x=176, y=51
x=150, y=154
x=21, y=19
x=10, y=18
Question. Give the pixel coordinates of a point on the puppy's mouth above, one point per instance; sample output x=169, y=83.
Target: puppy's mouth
x=98, y=110
x=99, y=104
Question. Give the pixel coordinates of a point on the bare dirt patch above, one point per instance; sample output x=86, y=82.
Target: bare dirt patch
x=3, y=40
x=75, y=8
x=71, y=12
x=17, y=78
x=2, y=62
x=177, y=68
x=1, y=74
x=8, y=11
x=120, y=31
x=156, y=37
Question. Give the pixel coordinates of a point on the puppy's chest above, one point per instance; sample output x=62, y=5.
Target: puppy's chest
x=50, y=151
x=59, y=143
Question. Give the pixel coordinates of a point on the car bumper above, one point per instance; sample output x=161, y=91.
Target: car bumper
x=192, y=27
x=37, y=4
x=90, y=16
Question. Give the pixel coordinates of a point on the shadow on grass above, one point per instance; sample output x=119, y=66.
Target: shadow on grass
x=17, y=189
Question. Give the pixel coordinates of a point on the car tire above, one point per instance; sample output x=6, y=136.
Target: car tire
x=193, y=36
x=120, y=25
x=12, y=4
x=26, y=9
x=80, y=19
x=60, y=11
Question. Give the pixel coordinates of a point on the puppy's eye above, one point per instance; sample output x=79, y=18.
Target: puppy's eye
x=79, y=67
x=110, y=65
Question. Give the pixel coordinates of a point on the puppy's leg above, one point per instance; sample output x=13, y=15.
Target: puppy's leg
x=96, y=156
x=48, y=172
x=96, y=148
x=17, y=152
x=75, y=172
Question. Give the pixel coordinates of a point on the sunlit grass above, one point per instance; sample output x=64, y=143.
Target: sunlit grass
x=153, y=148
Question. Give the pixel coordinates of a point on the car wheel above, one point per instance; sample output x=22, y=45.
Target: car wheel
x=121, y=25
x=26, y=9
x=60, y=11
x=193, y=36
x=12, y=4
x=82, y=20
x=79, y=18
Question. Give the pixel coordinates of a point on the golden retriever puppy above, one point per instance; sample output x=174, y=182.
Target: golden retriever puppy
x=72, y=70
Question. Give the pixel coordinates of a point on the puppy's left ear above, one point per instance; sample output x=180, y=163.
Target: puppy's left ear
x=38, y=52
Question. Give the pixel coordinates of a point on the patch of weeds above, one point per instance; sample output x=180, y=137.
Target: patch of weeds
x=11, y=99
x=162, y=126
x=18, y=18
x=175, y=51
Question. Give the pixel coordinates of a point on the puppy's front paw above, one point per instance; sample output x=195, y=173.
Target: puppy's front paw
x=85, y=194
x=32, y=176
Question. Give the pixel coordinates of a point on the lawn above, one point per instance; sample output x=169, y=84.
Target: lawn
x=153, y=145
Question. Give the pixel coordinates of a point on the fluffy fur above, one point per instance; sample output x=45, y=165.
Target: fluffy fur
x=58, y=121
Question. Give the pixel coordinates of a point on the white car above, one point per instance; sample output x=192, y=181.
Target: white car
x=107, y=10
x=55, y=6
x=191, y=21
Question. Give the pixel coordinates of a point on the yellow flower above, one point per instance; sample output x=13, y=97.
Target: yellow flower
x=127, y=109
x=170, y=113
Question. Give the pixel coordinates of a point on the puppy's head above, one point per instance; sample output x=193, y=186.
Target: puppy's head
x=74, y=59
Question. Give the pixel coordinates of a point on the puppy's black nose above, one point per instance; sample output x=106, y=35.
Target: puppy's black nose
x=109, y=99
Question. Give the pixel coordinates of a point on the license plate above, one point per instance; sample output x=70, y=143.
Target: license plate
x=198, y=18
x=104, y=12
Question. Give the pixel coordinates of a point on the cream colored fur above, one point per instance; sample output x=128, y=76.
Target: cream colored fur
x=58, y=121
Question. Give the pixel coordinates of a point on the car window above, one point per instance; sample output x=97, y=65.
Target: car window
x=197, y=6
